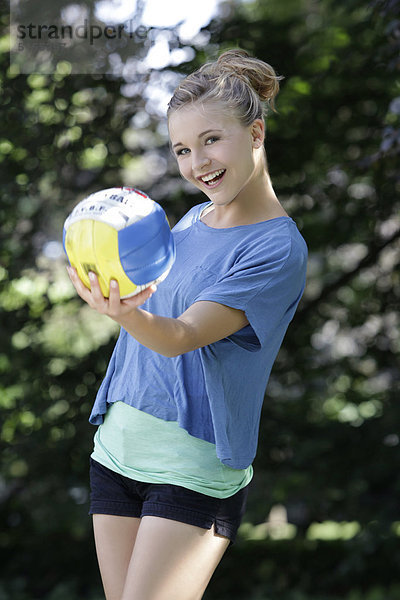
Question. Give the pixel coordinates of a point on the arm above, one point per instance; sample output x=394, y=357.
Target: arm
x=201, y=324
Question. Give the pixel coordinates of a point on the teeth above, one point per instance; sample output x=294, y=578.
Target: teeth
x=211, y=176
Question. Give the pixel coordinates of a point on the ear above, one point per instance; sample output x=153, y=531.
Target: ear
x=258, y=133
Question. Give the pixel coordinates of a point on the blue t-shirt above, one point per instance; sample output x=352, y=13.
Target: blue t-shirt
x=216, y=392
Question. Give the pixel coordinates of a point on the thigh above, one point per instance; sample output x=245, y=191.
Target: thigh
x=115, y=506
x=171, y=559
x=114, y=538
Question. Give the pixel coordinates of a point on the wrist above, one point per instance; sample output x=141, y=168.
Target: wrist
x=127, y=318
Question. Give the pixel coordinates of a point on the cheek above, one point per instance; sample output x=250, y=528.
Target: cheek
x=185, y=169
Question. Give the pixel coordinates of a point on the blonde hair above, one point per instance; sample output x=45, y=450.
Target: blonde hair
x=245, y=85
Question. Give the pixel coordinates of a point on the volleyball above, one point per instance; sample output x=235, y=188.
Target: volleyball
x=121, y=234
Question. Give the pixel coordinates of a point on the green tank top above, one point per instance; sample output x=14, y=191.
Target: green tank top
x=146, y=448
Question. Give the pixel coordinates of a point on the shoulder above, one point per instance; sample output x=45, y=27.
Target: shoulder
x=274, y=255
x=278, y=238
x=191, y=217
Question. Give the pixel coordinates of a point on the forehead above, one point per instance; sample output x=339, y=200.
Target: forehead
x=192, y=119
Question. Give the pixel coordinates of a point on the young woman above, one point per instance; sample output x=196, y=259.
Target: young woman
x=179, y=408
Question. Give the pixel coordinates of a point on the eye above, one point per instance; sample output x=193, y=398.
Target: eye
x=182, y=151
x=212, y=139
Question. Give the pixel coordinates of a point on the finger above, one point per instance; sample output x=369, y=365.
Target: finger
x=114, y=300
x=78, y=284
x=95, y=288
x=118, y=306
x=97, y=299
x=139, y=299
x=150, y=291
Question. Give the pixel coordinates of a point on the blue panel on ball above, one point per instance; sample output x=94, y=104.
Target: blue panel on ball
x=146, y=248
x=65, y=249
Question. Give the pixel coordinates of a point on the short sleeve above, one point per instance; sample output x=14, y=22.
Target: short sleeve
x=266, y=282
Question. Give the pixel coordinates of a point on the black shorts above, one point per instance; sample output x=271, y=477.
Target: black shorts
x=114, y=494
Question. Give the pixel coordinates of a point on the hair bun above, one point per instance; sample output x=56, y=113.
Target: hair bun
x=244, y=85
x=253, y=71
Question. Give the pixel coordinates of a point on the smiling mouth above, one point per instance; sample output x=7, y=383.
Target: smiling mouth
x=213, y=178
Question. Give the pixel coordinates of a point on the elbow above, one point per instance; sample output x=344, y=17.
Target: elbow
x=180, y=341
x=174, y=352
x=183, y=342
x=170, y=354
x=178, y=349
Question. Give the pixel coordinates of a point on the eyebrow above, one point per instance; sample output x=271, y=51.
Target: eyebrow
x=199, y=136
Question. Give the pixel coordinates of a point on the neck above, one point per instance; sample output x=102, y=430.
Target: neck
x=255, y=203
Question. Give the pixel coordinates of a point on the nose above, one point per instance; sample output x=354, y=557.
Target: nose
x=199, y=161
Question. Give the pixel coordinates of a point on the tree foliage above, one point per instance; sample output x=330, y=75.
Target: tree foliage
x=322, y=521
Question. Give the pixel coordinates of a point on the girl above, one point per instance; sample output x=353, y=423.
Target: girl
x=179, y=408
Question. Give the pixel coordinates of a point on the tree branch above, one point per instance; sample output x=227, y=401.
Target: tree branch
x=369, y=259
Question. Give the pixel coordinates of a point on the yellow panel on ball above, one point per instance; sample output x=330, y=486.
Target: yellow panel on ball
x=93, y=246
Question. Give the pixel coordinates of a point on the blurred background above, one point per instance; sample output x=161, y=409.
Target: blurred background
x=323, y=520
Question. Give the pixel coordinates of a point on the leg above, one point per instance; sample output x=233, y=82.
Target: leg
x=172, y=560
x=115, y=538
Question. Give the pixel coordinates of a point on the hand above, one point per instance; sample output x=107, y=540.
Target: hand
x=113, y=306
